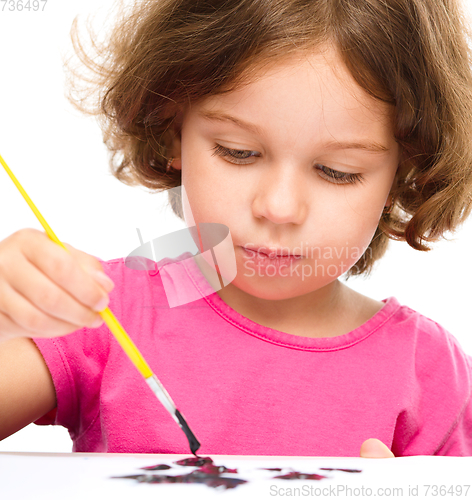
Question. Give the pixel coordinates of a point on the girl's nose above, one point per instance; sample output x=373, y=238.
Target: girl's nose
x=281, y=198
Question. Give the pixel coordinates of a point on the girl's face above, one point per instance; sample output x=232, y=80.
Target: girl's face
x=301, y=162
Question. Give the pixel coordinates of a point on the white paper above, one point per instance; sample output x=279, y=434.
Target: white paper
x=89, y=476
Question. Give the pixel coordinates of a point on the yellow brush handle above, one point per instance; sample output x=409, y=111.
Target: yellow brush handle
x=113, y=324
x=126, y=343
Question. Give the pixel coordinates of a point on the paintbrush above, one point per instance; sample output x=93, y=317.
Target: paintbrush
x=121, y=336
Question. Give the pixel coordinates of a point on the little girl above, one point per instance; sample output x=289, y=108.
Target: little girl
x=315, y=130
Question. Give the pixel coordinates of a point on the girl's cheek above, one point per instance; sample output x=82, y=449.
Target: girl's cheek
x=366, y=203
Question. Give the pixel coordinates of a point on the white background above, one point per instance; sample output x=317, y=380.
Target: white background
x=58, y=156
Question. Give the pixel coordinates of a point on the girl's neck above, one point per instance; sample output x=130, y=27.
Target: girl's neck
x=307, y=315
x=328, y=312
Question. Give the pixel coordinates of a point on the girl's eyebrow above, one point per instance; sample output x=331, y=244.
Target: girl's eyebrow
x=223, y=117
x=370, y=146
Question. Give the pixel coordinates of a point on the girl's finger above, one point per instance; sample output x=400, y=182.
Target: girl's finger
x=63, y=269
x=92, y=266
x=374, y=448
x=40, y=308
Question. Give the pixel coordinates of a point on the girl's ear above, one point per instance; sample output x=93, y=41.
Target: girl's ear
x=390, y=197
x=174, y=142
x=402, y=170
x=175, y=152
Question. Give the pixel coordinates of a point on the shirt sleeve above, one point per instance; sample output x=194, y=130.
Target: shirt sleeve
x=76, y=363
x=437, y=419
x=459, y=441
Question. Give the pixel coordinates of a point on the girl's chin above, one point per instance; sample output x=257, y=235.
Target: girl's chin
x=270, y=288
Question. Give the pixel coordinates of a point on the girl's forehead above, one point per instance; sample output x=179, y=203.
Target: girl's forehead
x=318, y=74
x=306, y=86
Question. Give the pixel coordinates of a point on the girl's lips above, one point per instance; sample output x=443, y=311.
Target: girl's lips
x=262, y=260
x=273, y=255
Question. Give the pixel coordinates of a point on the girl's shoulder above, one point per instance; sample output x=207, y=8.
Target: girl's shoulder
x=402, y=326
x=435, y=351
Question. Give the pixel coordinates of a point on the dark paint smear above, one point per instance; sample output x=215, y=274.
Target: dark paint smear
x=210, y=474
x=206, y=465
x=300, y=475
x=207, y=473
x=216, y=469
x=157, y=467
x=194, y=461
x=343, y=470
x=212, y=480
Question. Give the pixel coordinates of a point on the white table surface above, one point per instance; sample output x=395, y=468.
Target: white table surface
x=88, y=476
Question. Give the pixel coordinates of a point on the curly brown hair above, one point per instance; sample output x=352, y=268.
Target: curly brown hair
x=162, y=55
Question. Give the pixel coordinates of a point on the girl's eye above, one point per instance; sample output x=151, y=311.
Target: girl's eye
x=243, y=156
x=337, y=177
x=238, y=156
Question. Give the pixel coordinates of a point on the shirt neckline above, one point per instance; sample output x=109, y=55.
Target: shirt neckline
x=283, y=339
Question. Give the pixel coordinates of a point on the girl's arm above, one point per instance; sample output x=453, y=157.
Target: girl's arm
x=26, y=388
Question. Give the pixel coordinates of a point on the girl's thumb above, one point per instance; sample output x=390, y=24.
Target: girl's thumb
x=373, y=448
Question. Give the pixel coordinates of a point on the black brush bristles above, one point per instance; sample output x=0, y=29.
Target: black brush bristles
x=192, y=440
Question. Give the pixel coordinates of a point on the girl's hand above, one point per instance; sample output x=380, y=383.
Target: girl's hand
x=45, y=291
x=373, y=448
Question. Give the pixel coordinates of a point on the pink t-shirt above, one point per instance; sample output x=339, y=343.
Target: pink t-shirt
x=247, y=389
